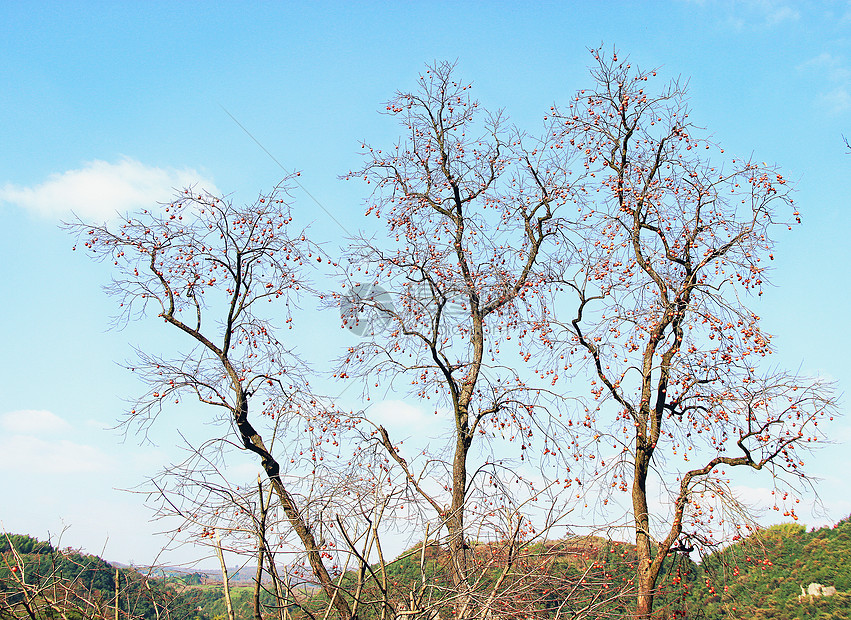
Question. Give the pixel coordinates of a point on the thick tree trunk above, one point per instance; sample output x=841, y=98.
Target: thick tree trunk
x=646, y=579
x=455, y=523
x=646, y=585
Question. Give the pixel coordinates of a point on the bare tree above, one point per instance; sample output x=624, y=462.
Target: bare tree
x=213, y=509
x=610, y=251
x=680, y=390
x=477, y=240
x=208, y=268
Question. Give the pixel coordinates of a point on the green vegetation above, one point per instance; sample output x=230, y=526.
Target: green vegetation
x=761, y=577
x=40, y=582
x=758, y=578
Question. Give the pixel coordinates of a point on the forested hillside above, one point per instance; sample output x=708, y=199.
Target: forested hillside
x=761, y=578
x=40, y=582
x=758, y=578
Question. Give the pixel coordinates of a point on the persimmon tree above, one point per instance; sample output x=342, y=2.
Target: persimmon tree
x=477, y=235
x=676, y=238
x=614, y=252
x=208, y=270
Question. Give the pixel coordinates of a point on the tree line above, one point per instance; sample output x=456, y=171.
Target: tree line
x=41, y=582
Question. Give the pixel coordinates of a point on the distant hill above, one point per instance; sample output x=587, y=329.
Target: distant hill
x=758, y=578
x=40, y=582
x=761, y=577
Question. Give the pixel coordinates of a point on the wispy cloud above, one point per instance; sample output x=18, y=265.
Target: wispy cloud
x=397, y=414
x=836, y=101
x=33, y=455
x=776, y=13
x=101, y=189
x=833, y=71
x=33, y=422
x=833, y=67
x=750, y=14
x=28, y=446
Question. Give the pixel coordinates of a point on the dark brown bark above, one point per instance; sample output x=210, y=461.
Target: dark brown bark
x=254, y=442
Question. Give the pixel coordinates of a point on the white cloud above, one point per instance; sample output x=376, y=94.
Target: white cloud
x=101, y=189
x=33, y=422
x=397, y=414
x=750, y=14
x=25, y=449
x=775, y=14
x=769, y=12
x=414, y=429
x=832, y=66
x=836, y=101
x=243, y=473
x=753, y=496
x=834, y=71
x=28, y=455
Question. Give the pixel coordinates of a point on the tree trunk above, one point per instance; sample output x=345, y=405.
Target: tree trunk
x=252, y=441
x=646, y=585
x=225, y=584
x=646, y=579
x=261, y=548
x=455, y=521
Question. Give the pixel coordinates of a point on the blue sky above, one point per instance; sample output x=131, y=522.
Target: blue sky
x=108, y=106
